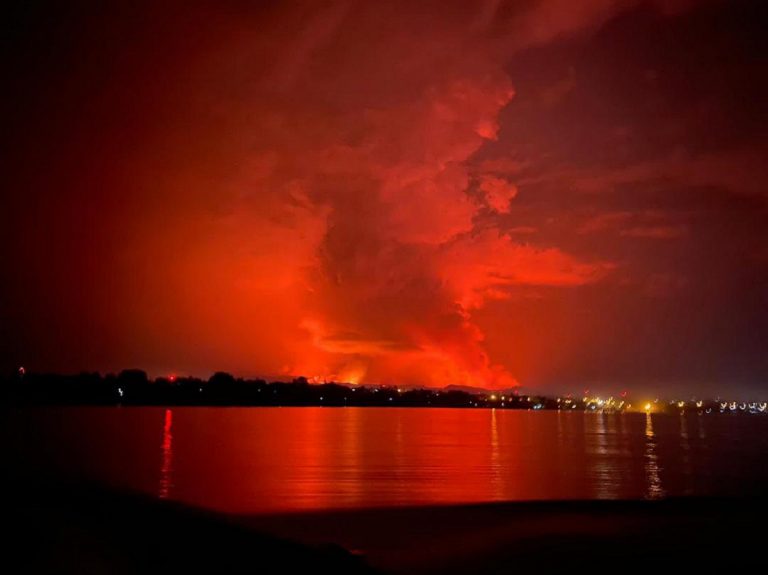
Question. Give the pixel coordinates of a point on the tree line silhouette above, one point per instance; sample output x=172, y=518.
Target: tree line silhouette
x=134, y=387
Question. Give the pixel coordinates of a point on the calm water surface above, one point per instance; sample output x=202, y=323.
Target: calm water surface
x=254, y=460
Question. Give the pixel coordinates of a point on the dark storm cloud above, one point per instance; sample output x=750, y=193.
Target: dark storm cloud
x=646, y=145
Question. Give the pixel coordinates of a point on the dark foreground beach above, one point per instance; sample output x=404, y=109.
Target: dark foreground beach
x=77, y=529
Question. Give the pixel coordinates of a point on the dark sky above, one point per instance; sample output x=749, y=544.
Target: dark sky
x=561, y=194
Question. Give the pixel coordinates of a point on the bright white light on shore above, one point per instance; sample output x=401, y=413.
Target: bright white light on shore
x=647, y=407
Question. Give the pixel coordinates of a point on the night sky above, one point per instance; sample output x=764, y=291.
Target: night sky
x=561, y=194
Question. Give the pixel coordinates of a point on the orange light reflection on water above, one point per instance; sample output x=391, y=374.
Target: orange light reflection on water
x=167, y=447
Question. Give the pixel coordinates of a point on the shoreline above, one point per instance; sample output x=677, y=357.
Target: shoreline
x=133, y=387
x=70, y=527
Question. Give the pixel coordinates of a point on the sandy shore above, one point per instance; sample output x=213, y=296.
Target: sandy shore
x=67, y=529
x=71, y=529
x=545, y=536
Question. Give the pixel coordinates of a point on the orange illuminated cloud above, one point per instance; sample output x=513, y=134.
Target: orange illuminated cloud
x=498, y=193
x=352, y=191
x=491, y=264
x=328, y=220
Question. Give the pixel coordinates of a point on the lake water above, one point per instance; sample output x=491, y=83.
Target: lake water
x=255, y=460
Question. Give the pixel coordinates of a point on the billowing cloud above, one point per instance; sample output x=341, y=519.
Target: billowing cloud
x=498, y=193
x=414, y=193
x=390, y=285
x=489, y=264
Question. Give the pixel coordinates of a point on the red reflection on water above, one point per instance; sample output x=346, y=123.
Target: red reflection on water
x=254, y=460
x=167, y=447
x=315, y=458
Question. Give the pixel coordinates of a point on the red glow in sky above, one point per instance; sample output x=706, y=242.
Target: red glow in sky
x=483, y=193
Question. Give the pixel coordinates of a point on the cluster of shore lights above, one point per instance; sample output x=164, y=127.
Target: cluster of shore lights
x=503, y=398
x=743, y=406
x=612, y=405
